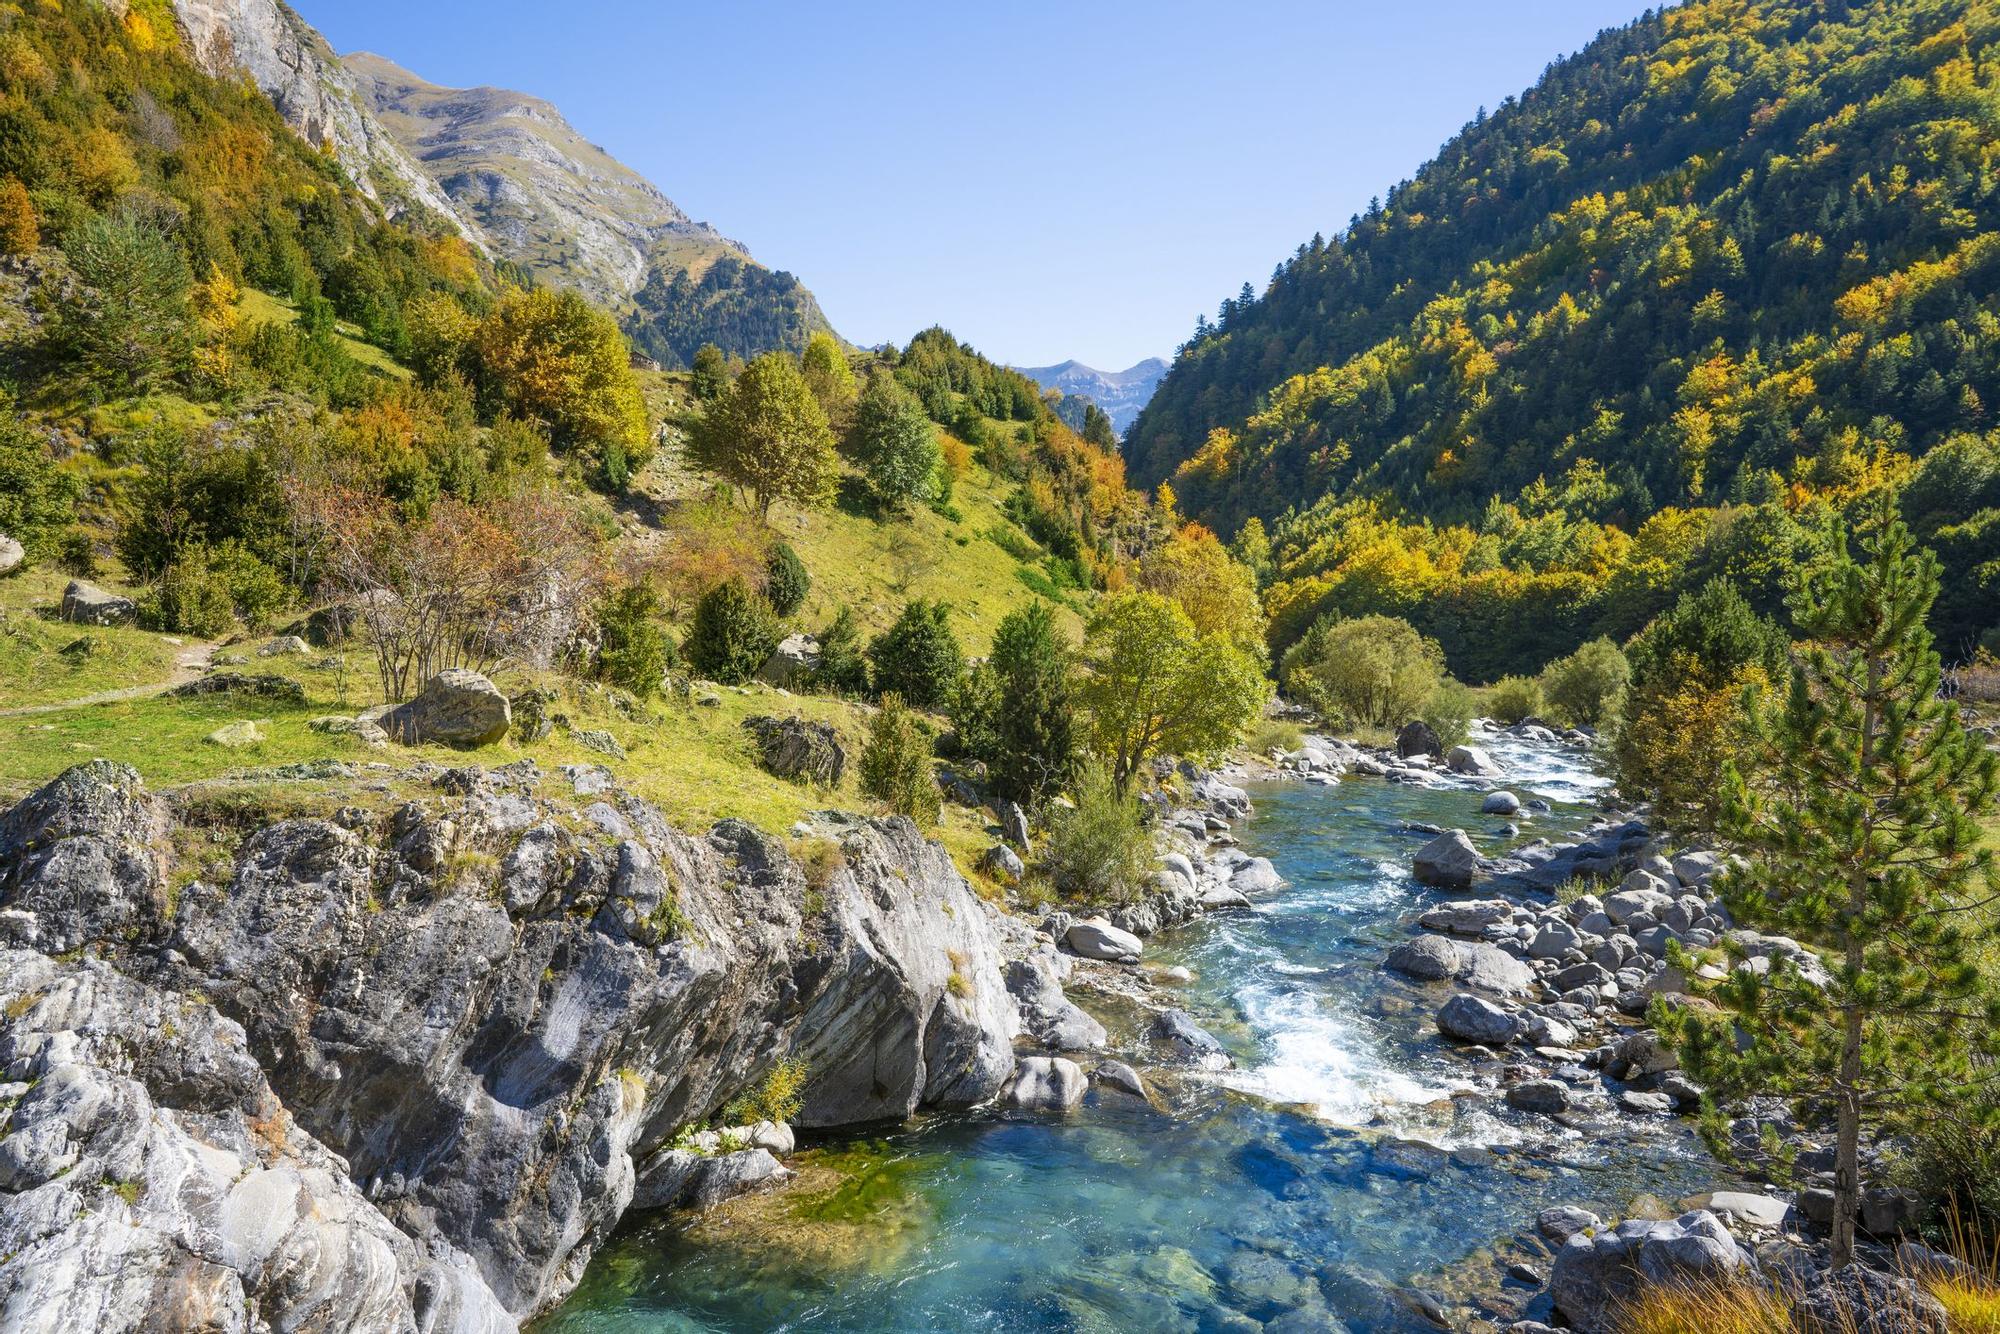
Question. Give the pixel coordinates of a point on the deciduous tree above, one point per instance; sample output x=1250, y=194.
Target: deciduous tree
x=767, y=437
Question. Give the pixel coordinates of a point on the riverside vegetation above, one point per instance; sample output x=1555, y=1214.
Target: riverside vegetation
x=304, y=495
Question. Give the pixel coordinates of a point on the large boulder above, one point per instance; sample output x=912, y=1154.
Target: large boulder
x=799, y=750
x=1047, y=1084
x=1426, y=958
x=1596, y=1275
x=456, y=708
x=1469, y=1018
x=1471, y=760
x=795, y=659
x=1047, y=1015
x=1188, y=1042
x=1448, y=861
x=1095, y=938
x=11, y=555
x=1417, y=738
x=84, y=603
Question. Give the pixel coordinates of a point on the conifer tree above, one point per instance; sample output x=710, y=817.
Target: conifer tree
x=1858, y=809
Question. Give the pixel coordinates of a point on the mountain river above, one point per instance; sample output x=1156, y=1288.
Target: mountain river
x=1343, y=1157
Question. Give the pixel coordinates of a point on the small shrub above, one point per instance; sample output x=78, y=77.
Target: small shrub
x=634, y=649
x=1099, y=852
x=258, y=591
x=1273, y=734
x=918, y=657
x=1583, y=689
x=843, y=668
x=734, y=631
x=1450, y=712
x=1516, y=698
x=786, y=581
x=896, y=764
x=778, y=1097
x=193, y=598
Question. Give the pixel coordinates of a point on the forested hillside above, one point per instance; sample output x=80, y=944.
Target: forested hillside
x=1714, y=277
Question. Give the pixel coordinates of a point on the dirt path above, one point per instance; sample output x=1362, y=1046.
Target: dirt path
x=189, y=663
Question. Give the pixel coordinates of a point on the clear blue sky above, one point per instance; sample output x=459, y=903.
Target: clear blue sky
x=1046, y=180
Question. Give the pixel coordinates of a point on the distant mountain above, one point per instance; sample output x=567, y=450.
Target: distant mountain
x=570, y=213
x=516, y=178
x=1120, y=393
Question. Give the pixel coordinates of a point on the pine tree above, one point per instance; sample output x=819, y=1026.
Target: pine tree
x=1859, y=811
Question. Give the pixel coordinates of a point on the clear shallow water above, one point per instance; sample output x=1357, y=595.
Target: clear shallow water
x=1335, y=1159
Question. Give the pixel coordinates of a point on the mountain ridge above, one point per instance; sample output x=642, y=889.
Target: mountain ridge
x=1121, y=394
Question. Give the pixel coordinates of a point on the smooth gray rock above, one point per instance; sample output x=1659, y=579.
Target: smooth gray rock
x=456, y=708
x=1187, y=1041
x=1565, y=1221
x=1468, y=1018
x=1013, y=822
x=678, y=1178
x=1003, y=864
x=1474, y=917
x=11, y=555
x=795, y=659
x=1047, y=1015
x=1426, y=958
x=1547, y=1096
x=1448, y=861
x=1500, y=803
x=1095, y=938
x=84, y=603
x=1594, y=1275
x=1471, y=760
x=799, y=750
x=1047, y=1084
x=1118, y=1075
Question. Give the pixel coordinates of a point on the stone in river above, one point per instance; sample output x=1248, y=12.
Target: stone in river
x=1448, y=861
x=1502, y=802
x=1547, y=1096
x=1470, y=1019
x=1046, y=1084
x=1095, y=938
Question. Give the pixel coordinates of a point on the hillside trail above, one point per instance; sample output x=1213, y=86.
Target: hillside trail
x=189, y=663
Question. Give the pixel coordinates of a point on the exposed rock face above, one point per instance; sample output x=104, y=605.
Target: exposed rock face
x=800, y=750
x=84, y=603
x=456, y=708
x=1120, y=393
x=11, y=555
x=491, y=1059
x=294, y=67
x=150, y=1179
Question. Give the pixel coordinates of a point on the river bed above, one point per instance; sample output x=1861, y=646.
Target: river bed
x=1346, y=1154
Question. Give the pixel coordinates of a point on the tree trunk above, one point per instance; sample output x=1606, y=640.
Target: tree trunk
x=1847, y=1149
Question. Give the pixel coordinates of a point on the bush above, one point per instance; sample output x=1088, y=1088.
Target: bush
x=1516, y=698
x=777, y=1097
x=1450, y=712
x=634, y=649
x=258, y=591
x=786, y=581
x=1017, y=712
x=843, y=668
x=896, y=764
x=1273, y=735
x=918, y=657
x=1376, y=671
x=734, y=631
x=193, y=598
x=1953, y=1165
x=1099, y=852
x=1583, y=690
